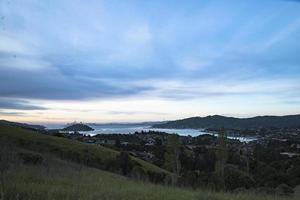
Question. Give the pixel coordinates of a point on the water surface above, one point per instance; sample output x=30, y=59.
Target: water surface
x=131, y=129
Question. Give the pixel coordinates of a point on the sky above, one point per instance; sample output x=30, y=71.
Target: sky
x=135, y=60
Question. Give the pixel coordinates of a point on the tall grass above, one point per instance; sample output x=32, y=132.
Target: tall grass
x=58, y=179
x=92, y=155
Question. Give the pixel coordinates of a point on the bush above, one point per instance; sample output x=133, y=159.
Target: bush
x=194, y=179
x=138, y=173
x=189, y=178
x=156, y=177
x=30, y=158
x=124, y=162
x=266, y=190
x=284, y=190
x=58, y=134
x=235, y=178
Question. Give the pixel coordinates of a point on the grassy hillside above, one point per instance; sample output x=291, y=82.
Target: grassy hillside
x=35, y=166
x=58, y=179
x=88, y=154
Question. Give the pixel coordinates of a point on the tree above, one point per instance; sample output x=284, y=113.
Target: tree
x=235, y=178
x=172, y=156
x=125, y=163
x=118, y=144
x=158, y=142
x=222, y=155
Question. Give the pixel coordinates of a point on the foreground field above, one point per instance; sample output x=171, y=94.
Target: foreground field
x=58, y=179
x=35, y=166
x=91, y=155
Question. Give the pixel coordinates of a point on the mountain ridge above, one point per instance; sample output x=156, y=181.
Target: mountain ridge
x=219, y=121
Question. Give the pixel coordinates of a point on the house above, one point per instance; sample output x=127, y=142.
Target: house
x=66, y=132
x=124, y=143
x=145, y=155
x=105, y=141
x=290, y=154
x=150, y=142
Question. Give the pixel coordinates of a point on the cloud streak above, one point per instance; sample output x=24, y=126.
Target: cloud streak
x=3, y=113
x=15, y=104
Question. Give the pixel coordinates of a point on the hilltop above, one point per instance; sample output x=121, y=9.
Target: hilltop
x=218, y=121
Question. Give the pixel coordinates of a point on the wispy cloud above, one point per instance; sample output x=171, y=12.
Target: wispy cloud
x=5, y=113
x=135, y=113
x=16, y=104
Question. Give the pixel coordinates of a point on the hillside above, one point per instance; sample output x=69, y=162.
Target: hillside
x=92, y=155
x=217, y=121
x=36, y=166
x=23, y=125
x=54, y=178
x=78, y=127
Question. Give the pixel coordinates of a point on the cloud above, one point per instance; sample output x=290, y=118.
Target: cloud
x=4, y=113
x=25, y=63
x=135, y=113
x=111, y=50
x=210, y=89
x=15, y=104
x=57, y=85
x=282, y=34
x=10, y=45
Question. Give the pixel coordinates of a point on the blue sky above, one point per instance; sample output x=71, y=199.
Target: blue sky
x=137, y=60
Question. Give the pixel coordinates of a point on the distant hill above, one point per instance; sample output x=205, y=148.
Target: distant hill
x=78, y=127
x=23, y=125
x=126, y=124
x=217, y=121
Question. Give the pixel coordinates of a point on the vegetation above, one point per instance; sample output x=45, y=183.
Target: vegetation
x=91, y=155
x=54, y=178
x=213, y=162
x=37, y=166
x=217, y=121
x=23, y=125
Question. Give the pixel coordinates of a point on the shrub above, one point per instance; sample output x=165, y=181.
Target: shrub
x=125, y=163
x=284, y=190
x=58, y=134
x=156, y=177
x=266, y=190
x=235, y=178
x=188, y=179
x=30, y=158
x=139, y=173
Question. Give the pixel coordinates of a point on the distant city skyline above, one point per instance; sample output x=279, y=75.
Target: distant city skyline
x=136, y=61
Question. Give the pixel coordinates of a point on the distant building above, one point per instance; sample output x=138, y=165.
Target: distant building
x=290, y=154
x=150, y=142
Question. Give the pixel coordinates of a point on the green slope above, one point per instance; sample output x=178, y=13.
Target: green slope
x=88, y=154
x=58, y=179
